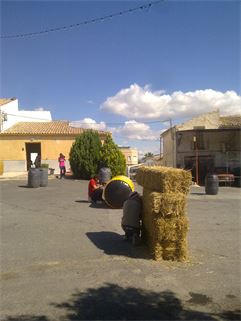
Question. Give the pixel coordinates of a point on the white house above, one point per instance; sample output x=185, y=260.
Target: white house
x=10, y=114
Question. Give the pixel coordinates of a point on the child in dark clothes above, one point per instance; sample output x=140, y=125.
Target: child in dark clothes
x=131, y=219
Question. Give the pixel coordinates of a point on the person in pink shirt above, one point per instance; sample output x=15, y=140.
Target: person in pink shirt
x=62, y=168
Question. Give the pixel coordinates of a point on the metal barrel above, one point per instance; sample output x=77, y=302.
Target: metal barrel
x=104, y=175
x=211, y=184
x=34, y=177
x=117, y=191
x=43, y=177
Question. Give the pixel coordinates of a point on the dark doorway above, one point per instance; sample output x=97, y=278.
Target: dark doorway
x=205, y=165
x=32, y=149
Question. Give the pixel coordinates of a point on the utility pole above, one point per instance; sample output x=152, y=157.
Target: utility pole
x=3, y=117
x=196, y=158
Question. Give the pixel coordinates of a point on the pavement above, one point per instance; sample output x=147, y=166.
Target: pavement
x=13, y=175
x=64, y=259
x=20, y=176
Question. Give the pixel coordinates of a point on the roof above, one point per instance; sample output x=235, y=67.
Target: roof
x=230, y=121
x=43, y=128
x=4, y=101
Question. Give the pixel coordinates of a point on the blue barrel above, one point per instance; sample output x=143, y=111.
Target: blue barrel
x=34, y=177
x=211, y=184
x=43, y=177
x=104, y=175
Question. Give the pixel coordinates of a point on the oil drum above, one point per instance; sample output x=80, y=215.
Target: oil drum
x=43, y=177
x=117, y=191
x=34, y=177
x=211, y=184
x=104, y=175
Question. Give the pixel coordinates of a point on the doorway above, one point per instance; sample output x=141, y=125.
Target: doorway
x=205, y=165
x=32, y=150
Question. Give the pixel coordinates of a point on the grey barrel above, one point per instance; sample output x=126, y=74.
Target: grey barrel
x=43, y=177
x=34, y=177
x=104, y=175
x=211, y=184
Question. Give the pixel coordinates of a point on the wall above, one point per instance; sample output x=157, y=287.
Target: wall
x=13, y=150
x=14, y=115
x=169, y=148
x=131, y=155
x=208, y=121
x=222, y=145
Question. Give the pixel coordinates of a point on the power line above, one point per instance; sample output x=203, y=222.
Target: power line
x=84, y=123
x=85, y=22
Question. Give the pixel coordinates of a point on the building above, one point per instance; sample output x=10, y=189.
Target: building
x=206, y=143
x=10, y=114
x=20, y=143
x=131, y=155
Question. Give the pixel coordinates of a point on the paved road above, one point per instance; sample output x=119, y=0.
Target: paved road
x=62, y=259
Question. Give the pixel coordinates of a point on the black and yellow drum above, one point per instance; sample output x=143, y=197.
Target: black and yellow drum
x=117, y=191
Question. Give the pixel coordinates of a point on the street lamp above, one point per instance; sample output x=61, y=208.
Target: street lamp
x=196, y=157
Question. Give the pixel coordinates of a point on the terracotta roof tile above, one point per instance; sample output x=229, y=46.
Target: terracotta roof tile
x=4, y=101
x=43, y=128
x=230, y=121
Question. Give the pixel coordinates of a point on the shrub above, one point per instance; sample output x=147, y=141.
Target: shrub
x=44, y=165
x=84, y=155
x=112, y=157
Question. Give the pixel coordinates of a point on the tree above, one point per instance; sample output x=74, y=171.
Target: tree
x=112, y=157
x=84, y=155
x=148, y=155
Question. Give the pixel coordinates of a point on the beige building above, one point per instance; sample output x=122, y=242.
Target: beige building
x=20, y=144
x=131, y=155
x=208, y=142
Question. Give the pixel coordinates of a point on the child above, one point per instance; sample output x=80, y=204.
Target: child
x=62, y=169
x=131, y=219
x=95, y=190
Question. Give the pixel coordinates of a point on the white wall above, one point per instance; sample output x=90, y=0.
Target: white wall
x=14, y=115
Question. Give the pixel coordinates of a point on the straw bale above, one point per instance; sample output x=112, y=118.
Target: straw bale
x=165, y=224
x=175, y=251
x=164, y=179
x=165, y=204
x=174, y=229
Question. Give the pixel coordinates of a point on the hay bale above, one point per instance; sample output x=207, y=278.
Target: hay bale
x=174, y=251
x=171, y=230
x=165, y=224
x=165, y=204
x=164, y=179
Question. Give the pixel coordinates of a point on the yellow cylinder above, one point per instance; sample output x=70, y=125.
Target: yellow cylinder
x=117, y=191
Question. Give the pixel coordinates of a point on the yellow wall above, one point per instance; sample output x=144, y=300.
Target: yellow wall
x=13, y=148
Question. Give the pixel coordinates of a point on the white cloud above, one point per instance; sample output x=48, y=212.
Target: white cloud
x=88, y=123
x=132, y=130
x=136, y=102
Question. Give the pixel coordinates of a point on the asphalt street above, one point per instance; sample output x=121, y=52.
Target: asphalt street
x=64, y=259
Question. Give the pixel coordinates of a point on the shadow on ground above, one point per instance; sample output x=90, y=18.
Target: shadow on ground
x=113, y=244
x=112, y=302
x=101, y=205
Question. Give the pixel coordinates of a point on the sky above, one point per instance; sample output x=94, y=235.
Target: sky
x=133, y=73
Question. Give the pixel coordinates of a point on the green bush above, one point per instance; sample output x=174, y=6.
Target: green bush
x=44, y=165
x=84, y=155
x=88, y=155
x=112, y=157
